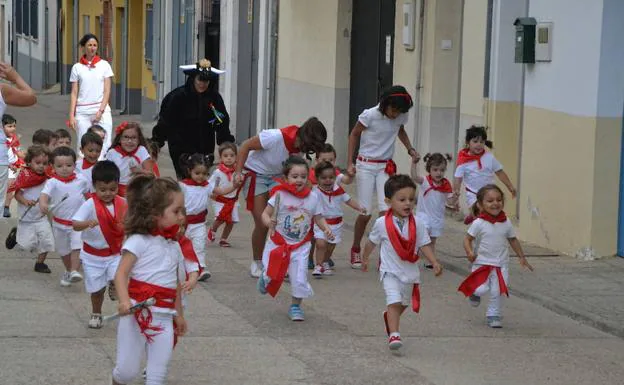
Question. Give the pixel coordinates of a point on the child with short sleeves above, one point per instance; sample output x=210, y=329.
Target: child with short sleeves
x=477, y=167
x=291, y=211
x=100, y=222
x=150, y=260
x=129, y=152
x=401, y=234
x=14, y=155
x=91, y=147
x=225, y=206
x=493, y=233
x=66, y=192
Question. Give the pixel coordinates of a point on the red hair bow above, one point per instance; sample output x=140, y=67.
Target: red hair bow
x=119, y=129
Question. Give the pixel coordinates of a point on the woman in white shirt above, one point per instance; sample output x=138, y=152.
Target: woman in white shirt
x=91, y=85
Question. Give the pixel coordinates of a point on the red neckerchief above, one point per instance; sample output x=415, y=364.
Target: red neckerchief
x=444, y=186
x=125, y=153
x=86, y=164
x=188, y=252
x=170, y=232
x=49, y=171
x=13, y=141
x=464, y=156
x=290, y=136
x=191, y=182
x=27, y=178
x=405, y=248
x=156, y=170
x=478, y=278
x=65, y=179
x=312, y=175
x=228, y=171
x=334, y=193
x=290, y=188
x=501, y=217
x=90, y=64
x=111, y=226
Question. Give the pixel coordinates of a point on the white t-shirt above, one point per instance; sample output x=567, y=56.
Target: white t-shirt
x=475, y=178
x=223, y=182
x=90, y=84
x=377, y=140
x=432, y=205
x=74, y=190
x=196, y=197
x=492, y=240
x=34, y=214
x=94, y=236
x=331, y=208
x=294, y=216
x=4, y=160
x=269, y=160
x=86, y=173
x=126, y=163
x=158, y=261
x=390, y=262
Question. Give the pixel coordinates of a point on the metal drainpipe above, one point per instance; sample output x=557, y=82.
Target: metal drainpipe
x=75, y=32
x=273, y=62
x=45, y=45
x=419, y=87
x=124, y=58
x=459, y=77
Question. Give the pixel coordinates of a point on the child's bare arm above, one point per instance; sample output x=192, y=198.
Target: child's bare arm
x=267, y=217
x=19, y=197
x=427, y=251
x=121, y=281
x=368, y=249
x=356, y=206
x=222, y=189
x=346, y=179
x=43, y=203
x=517, y=248
x=457, y=182
x=83, y=225
x=502, y=175
x=414, y=171
x=322, y=224
x=468, y=248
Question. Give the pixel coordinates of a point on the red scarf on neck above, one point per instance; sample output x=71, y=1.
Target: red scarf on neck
x=13, y=141
x=86, y=164
x=500, y=218
x=156, y=170
x=444, y=186
x=191, y=182
x=405, y=248
x=27, y=178
x=228, y=171
x=464, y=156
x=131, y=154
x=111, y=226
x=170, y=233
x=90, y=64
x=334, y=193
x=290, y=188
x=65, y=179
x=290, y=137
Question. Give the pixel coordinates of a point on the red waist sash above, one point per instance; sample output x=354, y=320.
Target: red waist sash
x=194, y=219
x=107, y=252
x=390, y=169
x=225, y=215
x=333, y=221
x=279, y=259
x=479, y=277
x=63, y=221
x=141, y=291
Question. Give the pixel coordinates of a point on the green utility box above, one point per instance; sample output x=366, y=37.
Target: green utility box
x=525, y=39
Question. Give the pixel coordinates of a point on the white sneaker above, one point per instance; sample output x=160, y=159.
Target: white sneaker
x=317, y=272
x=66, y=279
x=96, y=321
x=205, y=274
x=327, y=270
x=75, y=276
x=255, y=270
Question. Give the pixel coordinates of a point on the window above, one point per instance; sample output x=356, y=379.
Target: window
x=149, y=34
x=27, y=18
x=34, y=19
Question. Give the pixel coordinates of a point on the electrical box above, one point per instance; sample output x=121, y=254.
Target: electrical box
x=408, y=25
x=525, y=39
x=543, y=41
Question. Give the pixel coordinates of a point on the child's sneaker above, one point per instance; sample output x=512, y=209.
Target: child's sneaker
x=6, y=213
x=295, y=313
x=356, y=259
x=475, y=300
x=310, y=263
x=262, y=284
x=11, y=239
x=394, y=342
x=205, y=274
x=211, y=235
x=41, y=267
x=75, y=276
x=95, y=322
x=112, y=291
x=494, y=322
x=224, y=243
x=385, y=317
x=327, y=270
x=255, y=270
x=318, y=272
x=66, y=279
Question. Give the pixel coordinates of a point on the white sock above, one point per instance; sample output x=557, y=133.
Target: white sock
x=395, y=334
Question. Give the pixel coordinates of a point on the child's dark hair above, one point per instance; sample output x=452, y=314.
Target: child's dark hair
x=190, y=161
x=147, y=197
x=293, y=161
x=396, y=183
x=105, y=171
x=43, y=137
x=91, y=137
x=153, y=148
x=83, y=41
x=119, y=130
x=436, y=159
x=8, y=119
x=227, y=146
x=62, y=151
x=318, y=170
x=96, y=128
x=326, y=148
x=481, y=196
x=478, y=132
x=396, y=97
x=62, y=133
x=34, y=151
x=312, y=136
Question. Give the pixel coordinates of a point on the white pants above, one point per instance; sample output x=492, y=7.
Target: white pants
x=197, y=233
x=370, y=178
x=491, y=287
x=132, y=346
x=84, y=120
x=37, y=236
x=297, y=269
x=4, y=180
x=98, y=271
x=397, y=291
x=66, y=240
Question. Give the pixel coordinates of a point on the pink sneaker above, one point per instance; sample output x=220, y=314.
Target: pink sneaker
x=356, y=259
x=395, y=343
x=211, y=235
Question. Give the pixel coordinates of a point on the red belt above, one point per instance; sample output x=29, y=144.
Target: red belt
x=121, y=190
x=279, y=259
x=251, y=191
x=479, y=277
x=194, y=219
x=62, y=221
x=416, y=298
x=390, y=169
x=333, y=221
x=225, y=215
x=141, y=291
x=107, y=252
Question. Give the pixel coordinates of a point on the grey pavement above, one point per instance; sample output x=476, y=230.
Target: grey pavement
x=551, y=327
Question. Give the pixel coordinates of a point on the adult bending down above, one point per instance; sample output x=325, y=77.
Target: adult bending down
x=91, y=84
x=262, y=156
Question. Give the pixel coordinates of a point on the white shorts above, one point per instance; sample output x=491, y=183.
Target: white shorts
x=471, y=199
x=198, y=234
x=397, y=291
x=336, y=229
x=433, y=231
x=66, y=240
x=37, y=236
x=370, y=178
x=98, y=271
x=217, y=209
x=297, y=269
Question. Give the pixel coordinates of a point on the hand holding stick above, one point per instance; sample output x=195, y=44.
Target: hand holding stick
x=146, y=303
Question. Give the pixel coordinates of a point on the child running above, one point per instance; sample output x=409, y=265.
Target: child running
x=197, y=190
x=289, y=215
x=225, y=206
x=66, y=192
x=476, y=168
x=63, y=138
x=401, y=234
x=150, y=261
x=15, y=157
x=100, y=219
x=129, y=152
x=33, y=231
x=91, y=147
x=331, y=196
x=492, y=232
